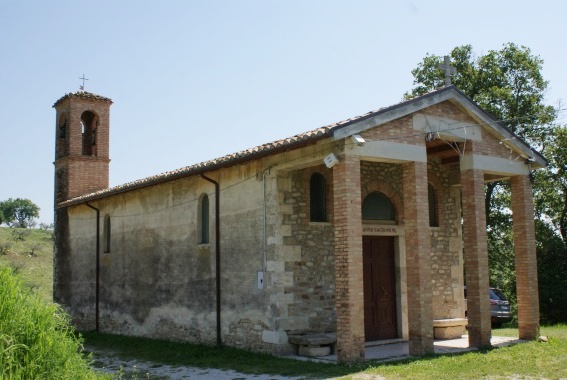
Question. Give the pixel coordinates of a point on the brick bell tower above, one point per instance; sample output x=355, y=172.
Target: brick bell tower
x=81, y=167
x=81, y=144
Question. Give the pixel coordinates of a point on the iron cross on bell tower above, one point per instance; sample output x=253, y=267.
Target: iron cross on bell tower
x=449, y=70
x=83, y=86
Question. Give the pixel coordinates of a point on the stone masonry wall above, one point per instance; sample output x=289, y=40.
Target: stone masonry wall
x=310, y=293
x=386, y=178
x=158, y=280
x=446, y=251
x=446, y=248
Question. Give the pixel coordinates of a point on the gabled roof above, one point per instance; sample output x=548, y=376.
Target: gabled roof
x=385, y=115
x=339, y=130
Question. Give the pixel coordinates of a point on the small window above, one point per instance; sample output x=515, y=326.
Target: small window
x=432, y=197
x=318, y=198
x=106, y=234
x=204, y=219
x=377, y=206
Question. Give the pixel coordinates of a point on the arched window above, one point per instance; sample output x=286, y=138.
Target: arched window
x=432, y=197
x=106, y=234
x=89, y=123
x=204, y=219
x=318, y=198
x=377, y=206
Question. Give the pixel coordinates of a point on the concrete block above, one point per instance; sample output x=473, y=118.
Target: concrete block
x=275, y=266
x=452, y=332
x=451, y=328
x=274, y=337
x=292, y=252
x=282, y=279
x=285, y=230
x=314, y=339
x=314, y=351
x=281, y=298
x=286, y=209
x=292, y=323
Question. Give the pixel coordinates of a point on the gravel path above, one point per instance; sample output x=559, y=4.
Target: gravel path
x=108, y=362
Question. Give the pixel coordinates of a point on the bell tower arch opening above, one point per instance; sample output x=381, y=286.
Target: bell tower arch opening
x=89, y=126
x=61, y=144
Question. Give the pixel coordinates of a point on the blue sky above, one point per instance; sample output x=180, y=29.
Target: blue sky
x=194, y=80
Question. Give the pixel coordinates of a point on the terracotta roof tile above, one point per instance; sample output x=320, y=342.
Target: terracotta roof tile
x=230, y=159
x=309, y=137
x=84, y=95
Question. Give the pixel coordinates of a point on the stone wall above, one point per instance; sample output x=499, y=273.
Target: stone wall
x=310, y=289
x=386, y=178
x=158, y=280
x=446, y=246
x=75, y=265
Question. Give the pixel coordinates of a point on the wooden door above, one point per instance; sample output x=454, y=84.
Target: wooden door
x=380, y=316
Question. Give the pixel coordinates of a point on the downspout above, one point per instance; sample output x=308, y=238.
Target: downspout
x=264, y=237
x=265, y=222
x=217, y=249
x=97, y=275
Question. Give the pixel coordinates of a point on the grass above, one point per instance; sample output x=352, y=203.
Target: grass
x=37, y=340
x=528, y=360
x=35, y=270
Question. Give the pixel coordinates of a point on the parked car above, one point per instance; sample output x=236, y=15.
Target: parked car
x=499, y=307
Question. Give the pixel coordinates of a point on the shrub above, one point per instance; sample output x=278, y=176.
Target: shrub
x=5, y=247
x=36, y=339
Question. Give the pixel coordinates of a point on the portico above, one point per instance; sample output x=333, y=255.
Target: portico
x=455, y=158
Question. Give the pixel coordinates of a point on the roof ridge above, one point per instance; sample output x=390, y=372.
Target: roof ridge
x=84, y=95
x=263, y=150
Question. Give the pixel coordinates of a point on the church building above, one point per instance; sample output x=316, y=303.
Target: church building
x=358, y=231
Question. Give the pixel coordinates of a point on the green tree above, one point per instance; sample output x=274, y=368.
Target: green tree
x=550, y=188
x=19, y=212
x=509, y=85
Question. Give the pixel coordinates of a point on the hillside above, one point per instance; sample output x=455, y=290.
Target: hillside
x=29, y=252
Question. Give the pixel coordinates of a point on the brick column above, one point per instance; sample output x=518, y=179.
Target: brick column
x=348, y=259
x=418, y=258
x=476, y=257
x=526, y=259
